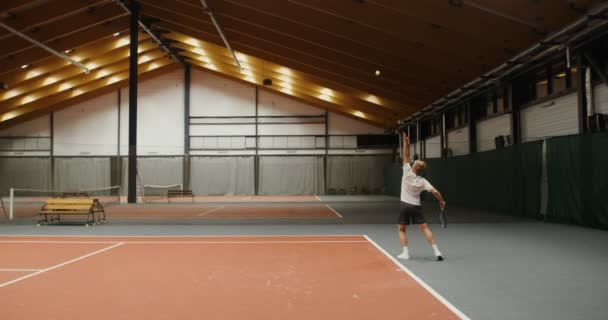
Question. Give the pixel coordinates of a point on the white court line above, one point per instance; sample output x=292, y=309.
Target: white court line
x=182, y=236
x=318, y=198
x=19, y=270
x=420, y=282
x=246, y=198
x=334, y=211
x=60, y=265
x=187, y=242
x=57, y=241
x=209, y=211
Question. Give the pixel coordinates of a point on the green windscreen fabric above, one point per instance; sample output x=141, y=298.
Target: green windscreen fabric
x=577, y=169
x=392, y=179
x=505, y=180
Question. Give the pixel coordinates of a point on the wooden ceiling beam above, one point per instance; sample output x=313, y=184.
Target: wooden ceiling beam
x=386, y=21
x=257, y=74
x=69, y=72
x=371, y=84
x=296, y=90
x=74, y=83
x=310, y=101
x=95, y=90
x=6, y=6
x=38, y=17
x=108, y=45
x=464, y=20
x=354, y=31
x=194, y=48
x=90, y=19
x=34, y=55
x=278, y=31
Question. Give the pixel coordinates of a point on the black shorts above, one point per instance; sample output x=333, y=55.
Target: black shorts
x=410, y=213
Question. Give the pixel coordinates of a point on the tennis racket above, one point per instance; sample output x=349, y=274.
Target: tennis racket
x=442, y=218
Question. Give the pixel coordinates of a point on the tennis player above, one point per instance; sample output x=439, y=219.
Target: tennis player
x=412, y=184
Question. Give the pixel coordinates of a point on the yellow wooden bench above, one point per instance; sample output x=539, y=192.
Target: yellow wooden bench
x=72, y=206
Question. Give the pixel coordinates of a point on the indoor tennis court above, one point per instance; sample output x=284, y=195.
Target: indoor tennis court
x=303, y=159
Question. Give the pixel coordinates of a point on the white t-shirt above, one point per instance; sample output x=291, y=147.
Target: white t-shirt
x=412, y=185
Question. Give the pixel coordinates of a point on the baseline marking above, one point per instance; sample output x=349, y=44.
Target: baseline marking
x=60, y=265
x=180, y=236
x=209, y=211
x=334, y=211
x=420, y=282
x=19, y=270
x=187, y=242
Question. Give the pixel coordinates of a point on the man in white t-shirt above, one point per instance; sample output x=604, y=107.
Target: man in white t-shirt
x=412, y=184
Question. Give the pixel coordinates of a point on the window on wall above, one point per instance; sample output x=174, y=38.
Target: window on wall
x=573, y=78
x=558, y=78
x=431, y=127
x=413, y=134
x=456, y=117
x=490, y=108
x=542, y=85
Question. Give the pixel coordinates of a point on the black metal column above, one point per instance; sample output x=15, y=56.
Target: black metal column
x=472, y=121
x=582, y=93
x=115, y=164
x=134, y=38
x=442, y=139
x=186, y=171
x=256, y=158
x=326, y=152
x=52, y=147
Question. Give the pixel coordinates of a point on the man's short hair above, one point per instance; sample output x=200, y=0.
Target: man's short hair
x=421, y=164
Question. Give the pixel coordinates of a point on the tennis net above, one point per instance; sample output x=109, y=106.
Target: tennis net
x=27, y=202
x=156, y=193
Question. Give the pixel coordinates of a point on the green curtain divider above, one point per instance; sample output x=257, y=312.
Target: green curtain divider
x=505, y=181
x=578, y=180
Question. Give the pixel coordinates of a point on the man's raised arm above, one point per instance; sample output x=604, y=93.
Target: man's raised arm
x=406, y=149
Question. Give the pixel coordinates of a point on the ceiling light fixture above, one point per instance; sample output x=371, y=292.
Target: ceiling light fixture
x=377, y=73
x=117, y=34
x=25, y=66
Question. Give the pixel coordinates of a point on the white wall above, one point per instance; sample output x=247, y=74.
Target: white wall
x=488, y=130
x=211, y=95
x=38, y=127
x=94, y=127
x=433, y=147
x=600, y=98
x=270, y=104
x=458, y=141
x=339, y=124
x=551, y=118
x=160, y=116
x=88, y=128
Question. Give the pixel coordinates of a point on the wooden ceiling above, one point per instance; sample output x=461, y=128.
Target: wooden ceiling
x=324, y=53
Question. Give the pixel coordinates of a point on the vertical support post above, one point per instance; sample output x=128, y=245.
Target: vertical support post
x=326, y=152
x=582, y=94
x=550, y=88
x=186, y=171
x=52, y=151
x=11, y=212
x=472, y=120
x=117, y=165
x=442, y=137
x=256, y=158
x=133, y=55
x=418, y=142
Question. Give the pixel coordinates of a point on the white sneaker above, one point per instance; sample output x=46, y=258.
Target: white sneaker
x=404, y=256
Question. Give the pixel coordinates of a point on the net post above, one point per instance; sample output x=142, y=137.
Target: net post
x=11, y=204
